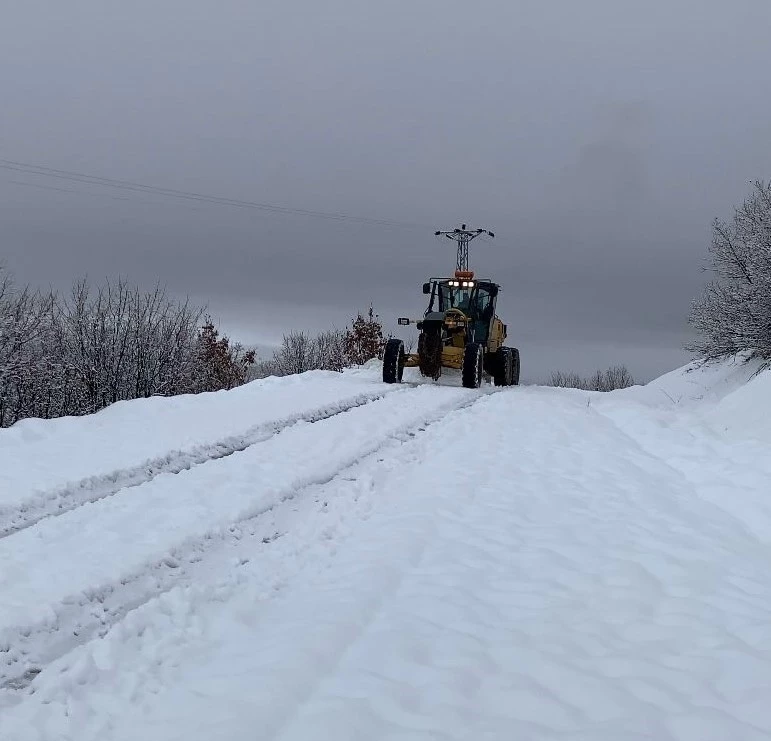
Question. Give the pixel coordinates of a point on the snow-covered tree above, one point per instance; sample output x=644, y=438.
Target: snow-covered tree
x=734, y=312
x=118, y=342
x=24, y=321
x=300, y=352
x=296, y=354
x=75, y=355
x=330, y=350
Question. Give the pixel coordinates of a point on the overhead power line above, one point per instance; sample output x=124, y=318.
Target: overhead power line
x=92, y=195
x=129, y=185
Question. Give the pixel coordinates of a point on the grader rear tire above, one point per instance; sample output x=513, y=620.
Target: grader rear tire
x=515, y=367
x=504, y=367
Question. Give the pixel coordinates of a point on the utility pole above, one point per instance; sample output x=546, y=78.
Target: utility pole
x=463, y=236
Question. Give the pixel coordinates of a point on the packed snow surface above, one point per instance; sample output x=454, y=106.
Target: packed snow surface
x=326, y=557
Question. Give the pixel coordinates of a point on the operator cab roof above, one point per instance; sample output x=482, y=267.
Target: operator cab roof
x=486, y=281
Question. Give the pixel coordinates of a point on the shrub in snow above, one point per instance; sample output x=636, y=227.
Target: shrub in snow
x=734, y=312
x=330, y=350
x=566, y=380
x=300, y=352
x=616, y=377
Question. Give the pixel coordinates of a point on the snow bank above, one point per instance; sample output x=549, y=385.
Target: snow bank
x=730, y=396
x=711, y=424
x=37, y=456
x=745, y=412
x=695, y=383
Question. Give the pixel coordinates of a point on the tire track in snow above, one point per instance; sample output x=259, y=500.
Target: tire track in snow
x=59, y=501
x=26, y=650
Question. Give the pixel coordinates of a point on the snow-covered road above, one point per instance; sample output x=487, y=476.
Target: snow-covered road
x=377, y=562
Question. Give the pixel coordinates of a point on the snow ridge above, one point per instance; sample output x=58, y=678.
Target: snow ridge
x=93, y=488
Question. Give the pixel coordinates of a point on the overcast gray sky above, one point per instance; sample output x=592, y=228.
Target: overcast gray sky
x=597, y=139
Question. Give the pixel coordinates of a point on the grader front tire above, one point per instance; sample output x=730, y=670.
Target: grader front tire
x=473, y=365
x=393, y=361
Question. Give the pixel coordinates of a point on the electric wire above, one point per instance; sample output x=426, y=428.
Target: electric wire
x=132, y=186
x=87, y=193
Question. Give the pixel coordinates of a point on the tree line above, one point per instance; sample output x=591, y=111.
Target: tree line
x=331, y=350
x=615, y=377
x=75, y=354
x=78, y=353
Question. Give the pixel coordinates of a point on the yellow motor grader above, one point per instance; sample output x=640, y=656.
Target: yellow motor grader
x=459, y=329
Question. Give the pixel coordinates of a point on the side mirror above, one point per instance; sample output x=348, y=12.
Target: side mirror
x=426, y=288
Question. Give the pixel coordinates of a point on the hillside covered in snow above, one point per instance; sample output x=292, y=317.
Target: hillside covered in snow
x=326, y=557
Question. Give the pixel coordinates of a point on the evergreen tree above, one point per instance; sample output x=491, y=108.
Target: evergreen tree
x=364, y=340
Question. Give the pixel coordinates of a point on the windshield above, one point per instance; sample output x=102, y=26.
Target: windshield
x=474, y=302
x=453, y=298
